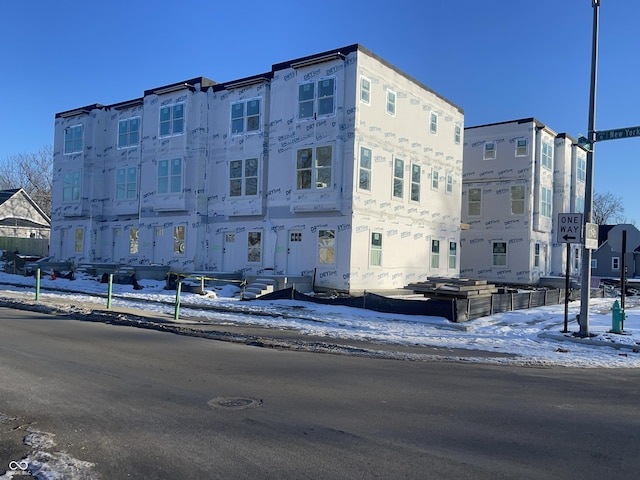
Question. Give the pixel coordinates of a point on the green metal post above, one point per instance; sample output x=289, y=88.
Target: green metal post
x=176, y=314
x=109, y=291
x=37, y=284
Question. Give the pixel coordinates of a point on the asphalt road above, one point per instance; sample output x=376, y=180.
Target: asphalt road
x=145, y=404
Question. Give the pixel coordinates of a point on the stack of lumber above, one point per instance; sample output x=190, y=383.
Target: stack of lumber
x=453, y=287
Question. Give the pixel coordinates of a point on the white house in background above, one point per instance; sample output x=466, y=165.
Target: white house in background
x=337, y=166
x=518, y=175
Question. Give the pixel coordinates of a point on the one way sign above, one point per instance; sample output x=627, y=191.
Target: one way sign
x=569, y=228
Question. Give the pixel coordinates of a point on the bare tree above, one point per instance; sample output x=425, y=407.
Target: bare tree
x=607, y=209
x=31, y=171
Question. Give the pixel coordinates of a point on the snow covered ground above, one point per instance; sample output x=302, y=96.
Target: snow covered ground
x=533, y=335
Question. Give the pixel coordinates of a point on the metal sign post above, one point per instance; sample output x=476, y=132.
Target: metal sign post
x=569, y=230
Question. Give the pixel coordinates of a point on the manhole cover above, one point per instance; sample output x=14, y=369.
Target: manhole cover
x=233, y=403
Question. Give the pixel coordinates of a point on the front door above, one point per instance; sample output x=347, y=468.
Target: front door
x=228, y=250
x=294, y=252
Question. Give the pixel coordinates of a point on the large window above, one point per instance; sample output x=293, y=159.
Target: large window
x=582, y=169
x=415, y=183
x=453, y=255
x=489, y=152
x=517, y=200
x=435, y=253
x=79, y=240
x=178, y=240
x=326, y=247
x=364, y=182
x=313, y=168
x=398, y=178
x=316, y=99
x=129, y=132
x=499, y=254
x=126, y=183
x=547, y=155
x=365, y=90
x=474, y=202
x=254, y=247
x=73, y=139
x=545, y=202
x=172, y=120
x=133, y=241
x=243, y=177
x=71, y=186
x=170, y=176
x=391, y=102
x=245, y=116
x=375, y=258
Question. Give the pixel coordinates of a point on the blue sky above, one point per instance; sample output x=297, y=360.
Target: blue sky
x=498, y=60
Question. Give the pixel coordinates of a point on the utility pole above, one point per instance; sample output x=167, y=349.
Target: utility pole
x=585, y=292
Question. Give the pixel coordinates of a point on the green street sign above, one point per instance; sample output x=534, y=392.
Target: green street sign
x=617, y=133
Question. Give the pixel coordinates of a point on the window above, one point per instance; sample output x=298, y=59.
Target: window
x=375, y=259
x=582, y=169
x=170, y=176
x=398, y=178
x=133, y=241
x=453, y=255
x=545, y=202
x=615, y=263
x=314, y=173
x=517, y=200
x=594, y=263
x=433, y=123
x=547, y=155
x=580, y=205
x=536, y=255
x=475, y=201
x=576, y=259
x=457, y=133
x=435, y=179
x=365, y=90
x=79, y=240
x=73, y=139
x=316, y=99
x=71, y=187
x=326, y=247
x=499, y=254
x=243, y=177
x=364, y=182
x=126, y=183
x=415, y=183
x=245, y=116
x=449, y=183
x=522, y=148
x=254, y=247
x=172, y=120
x=489, y=151
x=178, y=240
x=129, y=132
x=435, y=253
x=391, y=102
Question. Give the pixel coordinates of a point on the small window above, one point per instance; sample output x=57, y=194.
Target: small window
x=326, y=247
x=73, y=139
x=489, y=151
x=522, y=148
x=453, y=255
x=545, y=202
x=129, y=132
x=172, y=120
x=582, y=169
x=576, y=259
x=615, y=263
x=133, y=241
x=547, y=155
x=364, y=182
x=536, y=255
x=415, y=183
x=245, y=116
x=435, y=180
x=433, y=123
x=475, y=202
x=376, y=249
x=499, y=254
x=178, y=240
x=254, y=247
x=365, y=90
x=435, y=253
x=457, y=134
x=398, y=178
x=449, y=183
x=391, y=103
x=517, y=200
x=594, y=263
